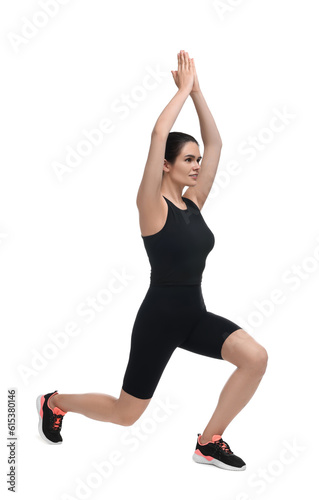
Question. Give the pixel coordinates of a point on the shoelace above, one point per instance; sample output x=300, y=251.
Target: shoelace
x=56, y=422
x=223, y=445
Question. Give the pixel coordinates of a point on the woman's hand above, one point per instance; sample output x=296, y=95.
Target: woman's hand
x=184, y=76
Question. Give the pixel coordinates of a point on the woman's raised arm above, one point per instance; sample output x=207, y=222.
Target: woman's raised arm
x=212, y=146
x=152, y=177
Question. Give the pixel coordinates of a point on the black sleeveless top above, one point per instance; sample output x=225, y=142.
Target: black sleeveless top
x=177, y=253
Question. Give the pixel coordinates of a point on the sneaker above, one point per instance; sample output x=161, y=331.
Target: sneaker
x=217, y=452
x=50, y=421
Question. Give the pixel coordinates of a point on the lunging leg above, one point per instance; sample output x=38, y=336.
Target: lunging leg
x=251, y=359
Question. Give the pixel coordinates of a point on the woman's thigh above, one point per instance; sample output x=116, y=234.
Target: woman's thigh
x=209, y=334
x=147, y=361
x=153, y=341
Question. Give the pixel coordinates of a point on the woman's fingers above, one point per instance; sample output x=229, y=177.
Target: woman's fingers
x=184, y=60
x=187, y=60
x=181, y=59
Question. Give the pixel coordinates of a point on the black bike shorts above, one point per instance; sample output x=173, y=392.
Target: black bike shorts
x=171, y=317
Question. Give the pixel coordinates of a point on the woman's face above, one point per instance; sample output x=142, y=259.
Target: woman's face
x=186, y=167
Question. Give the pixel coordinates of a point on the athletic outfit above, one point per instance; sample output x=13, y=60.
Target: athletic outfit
x=173, y=313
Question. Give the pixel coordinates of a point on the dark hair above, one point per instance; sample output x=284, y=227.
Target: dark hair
x=174, y=144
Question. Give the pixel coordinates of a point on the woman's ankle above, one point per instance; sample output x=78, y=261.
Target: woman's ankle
x=53, y=402
x=204, y=440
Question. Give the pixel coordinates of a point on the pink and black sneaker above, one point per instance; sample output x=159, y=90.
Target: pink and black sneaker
x=50, y=421
x=217, y=452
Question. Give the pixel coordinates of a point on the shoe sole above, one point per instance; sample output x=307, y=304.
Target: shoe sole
x=217, y=463
x=40, y=422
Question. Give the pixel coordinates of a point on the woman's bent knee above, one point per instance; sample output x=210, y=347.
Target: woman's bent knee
x=125, y=420
x=245, y=352
x=128, y=409
x=262, y=359
x=120, y=416
x=258, y=361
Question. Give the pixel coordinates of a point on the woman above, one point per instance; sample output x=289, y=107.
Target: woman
x=173, y=313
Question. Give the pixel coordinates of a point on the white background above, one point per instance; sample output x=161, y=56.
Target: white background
x=62, y=239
